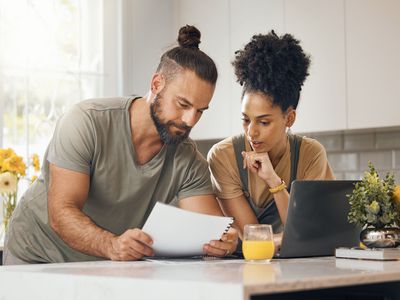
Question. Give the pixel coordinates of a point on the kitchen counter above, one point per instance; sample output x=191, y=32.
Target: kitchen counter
x=188, y=279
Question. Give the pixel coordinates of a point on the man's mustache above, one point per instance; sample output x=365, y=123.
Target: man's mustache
x=180, y=126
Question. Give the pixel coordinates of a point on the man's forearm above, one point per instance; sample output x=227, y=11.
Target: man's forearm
x=81, y=233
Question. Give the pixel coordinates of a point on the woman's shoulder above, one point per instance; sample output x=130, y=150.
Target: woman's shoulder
x=310, y=146
x=313, y=162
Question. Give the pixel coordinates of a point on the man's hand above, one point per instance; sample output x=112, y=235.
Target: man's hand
x=225, y=246
x=133, y=244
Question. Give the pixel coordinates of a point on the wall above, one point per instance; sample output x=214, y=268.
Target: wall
x=350, y=67
x=146, y=32
x=349, y=151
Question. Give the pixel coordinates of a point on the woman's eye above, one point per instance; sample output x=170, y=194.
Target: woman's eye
x=264, y=123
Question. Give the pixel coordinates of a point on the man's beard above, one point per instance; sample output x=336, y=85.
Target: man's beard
x=162, y=128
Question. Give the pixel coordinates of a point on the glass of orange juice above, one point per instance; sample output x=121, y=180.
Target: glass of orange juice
x=258, y=242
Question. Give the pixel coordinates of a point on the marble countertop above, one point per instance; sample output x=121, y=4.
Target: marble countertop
x=188, y=279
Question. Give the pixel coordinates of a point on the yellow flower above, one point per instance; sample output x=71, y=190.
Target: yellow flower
x=374, y=207
x=8, y=183
x=6, y=153
x=396, y=194
x=14, y=164
x=35, y=162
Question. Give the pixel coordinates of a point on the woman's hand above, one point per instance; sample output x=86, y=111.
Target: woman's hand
x=225, y=246
x=260, y=164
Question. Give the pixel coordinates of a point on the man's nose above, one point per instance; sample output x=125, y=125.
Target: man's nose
x=190, y=117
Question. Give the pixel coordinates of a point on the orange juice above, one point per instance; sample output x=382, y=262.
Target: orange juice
x=258, y=250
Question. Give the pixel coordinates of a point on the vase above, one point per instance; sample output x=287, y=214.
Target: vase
x=9, y=203
x=388, y=237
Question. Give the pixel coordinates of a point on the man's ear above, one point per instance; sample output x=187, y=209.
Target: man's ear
x=290, y=117
x=157, y=83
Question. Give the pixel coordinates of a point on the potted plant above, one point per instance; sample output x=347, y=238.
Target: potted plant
x=375, y=207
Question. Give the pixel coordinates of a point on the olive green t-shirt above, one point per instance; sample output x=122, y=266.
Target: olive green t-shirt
x=95, y=138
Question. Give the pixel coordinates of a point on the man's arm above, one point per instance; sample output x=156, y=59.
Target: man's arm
x=68, y=191
x=208, y=204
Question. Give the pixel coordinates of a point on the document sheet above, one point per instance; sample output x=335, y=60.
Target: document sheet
x=177, y=232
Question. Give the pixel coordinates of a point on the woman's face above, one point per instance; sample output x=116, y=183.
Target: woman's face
x=264, y=124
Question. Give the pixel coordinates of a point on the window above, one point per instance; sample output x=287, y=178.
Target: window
x=50, y=57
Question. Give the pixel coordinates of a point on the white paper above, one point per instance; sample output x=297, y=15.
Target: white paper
x=178, y=232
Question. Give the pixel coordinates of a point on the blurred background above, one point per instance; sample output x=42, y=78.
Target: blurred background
x=54, y=53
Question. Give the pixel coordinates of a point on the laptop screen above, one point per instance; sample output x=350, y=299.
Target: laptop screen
x=317, y=219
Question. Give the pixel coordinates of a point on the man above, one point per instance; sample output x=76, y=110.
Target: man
x=110, y=160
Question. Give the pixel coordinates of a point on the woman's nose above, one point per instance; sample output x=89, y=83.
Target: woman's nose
x=251, y=130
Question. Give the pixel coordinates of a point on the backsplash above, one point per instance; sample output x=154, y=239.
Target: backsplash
x=349, y=151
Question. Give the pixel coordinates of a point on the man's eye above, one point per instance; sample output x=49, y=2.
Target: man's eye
x=183, y=105
x=244, y=120
x=264, y=123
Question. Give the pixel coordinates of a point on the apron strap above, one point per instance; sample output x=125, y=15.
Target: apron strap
x=268, y=214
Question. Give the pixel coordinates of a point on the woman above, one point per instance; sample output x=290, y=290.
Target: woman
x=252, y=172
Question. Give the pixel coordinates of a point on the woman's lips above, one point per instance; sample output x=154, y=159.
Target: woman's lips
x=255, y=144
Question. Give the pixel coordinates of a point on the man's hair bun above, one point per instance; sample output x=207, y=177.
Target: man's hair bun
x=189, y=37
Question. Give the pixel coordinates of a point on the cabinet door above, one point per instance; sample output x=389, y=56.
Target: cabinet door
x=373, y=62
x=212, y=19
x=248, y=18
x=319, y=25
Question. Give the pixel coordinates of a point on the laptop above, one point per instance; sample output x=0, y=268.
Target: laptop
x=317, y=219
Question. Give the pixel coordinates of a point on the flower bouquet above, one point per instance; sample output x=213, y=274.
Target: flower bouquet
x=12, y=169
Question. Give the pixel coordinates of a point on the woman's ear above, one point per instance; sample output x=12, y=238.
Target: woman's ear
x=290, y=117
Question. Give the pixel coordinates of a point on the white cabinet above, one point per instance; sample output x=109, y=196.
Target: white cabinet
x=248, y=18
x=354, y=79
x=373, y=63
x=227, y=26
x=319, y=25
x=212, y=19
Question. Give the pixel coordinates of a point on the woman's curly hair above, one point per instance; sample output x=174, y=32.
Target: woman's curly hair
x=273, y=65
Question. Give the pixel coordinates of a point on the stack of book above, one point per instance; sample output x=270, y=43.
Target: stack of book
x=371, y=254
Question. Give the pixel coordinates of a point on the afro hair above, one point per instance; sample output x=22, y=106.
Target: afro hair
x=273, y=65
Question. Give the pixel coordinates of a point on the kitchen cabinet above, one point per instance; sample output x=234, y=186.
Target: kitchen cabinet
x=373, y=63
x=230, y=25
x=248, y=18
x=353, y=81
x=319, y=25
x=214, y=27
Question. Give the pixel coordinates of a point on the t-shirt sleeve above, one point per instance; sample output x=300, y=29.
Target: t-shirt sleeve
x=316, y=165
x=72, y=144
x=197, y=178
x=224, y=174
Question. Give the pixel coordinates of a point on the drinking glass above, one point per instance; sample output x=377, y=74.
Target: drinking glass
x=258, y=242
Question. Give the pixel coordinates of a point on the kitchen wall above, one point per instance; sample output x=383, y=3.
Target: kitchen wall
x=349, y=151
x=354, y=64
x=354, y=75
